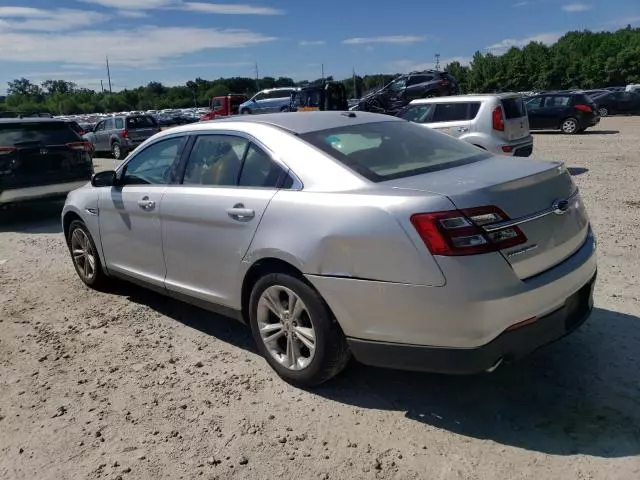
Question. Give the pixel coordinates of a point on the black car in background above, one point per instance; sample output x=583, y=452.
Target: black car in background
x=41, y=158
x=393, y=97
x=568, y=112
x=612, y=103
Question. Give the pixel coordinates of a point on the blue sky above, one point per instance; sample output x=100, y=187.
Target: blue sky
x=173, y=41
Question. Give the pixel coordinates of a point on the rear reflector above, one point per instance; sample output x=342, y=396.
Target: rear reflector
x=583, y=108
x=521, y=324
x=81, y=146
x=497, y=119
x=461, y=232
x=507, y=148
x=7, y=150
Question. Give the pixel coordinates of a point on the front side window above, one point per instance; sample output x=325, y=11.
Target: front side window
x=398, y=85
x=417, y=113
x=215, y=160
x=534, y=103
x=109, y=124
x=259, y=96
x=100, y=126
x=153, y=165
x=392, y=149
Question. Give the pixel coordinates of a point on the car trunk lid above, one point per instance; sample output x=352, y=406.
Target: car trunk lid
x=515, y=119
x=531, y=193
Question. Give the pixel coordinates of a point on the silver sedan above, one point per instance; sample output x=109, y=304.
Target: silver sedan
x=339, y=234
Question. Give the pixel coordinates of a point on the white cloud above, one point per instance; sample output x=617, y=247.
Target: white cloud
x=309, y=43
x=393, y=39
x=200, y=7
x=507, y=43
x=131, y=14
x=417, y=65
x=23, y=18
x=576, y=7
x=137, y=47
x=623, y=22
x=228, y=9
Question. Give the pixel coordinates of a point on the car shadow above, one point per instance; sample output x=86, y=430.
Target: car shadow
x=221, y=327
x=575, y=171
x=580, y=395
x=586, y=132
x=37, y=217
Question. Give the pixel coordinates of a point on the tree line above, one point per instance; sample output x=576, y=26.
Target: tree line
x=580, y=59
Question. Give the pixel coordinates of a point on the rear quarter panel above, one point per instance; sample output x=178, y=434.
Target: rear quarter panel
x=354, y=235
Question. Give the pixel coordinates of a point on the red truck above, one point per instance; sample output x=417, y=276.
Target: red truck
x=224, y=106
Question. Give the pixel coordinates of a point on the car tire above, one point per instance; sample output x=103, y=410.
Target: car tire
x=245, y=111
x=569, y=126
x=84, y=255
x=603, y=111
x=306, y=346
x=116, y=151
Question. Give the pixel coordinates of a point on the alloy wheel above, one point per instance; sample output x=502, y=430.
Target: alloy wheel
x=83, y=255
x=116, y=151
x=569, y=126
x=286, y=327
x=603, y=111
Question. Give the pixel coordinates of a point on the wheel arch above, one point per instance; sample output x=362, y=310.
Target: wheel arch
x=70, y=214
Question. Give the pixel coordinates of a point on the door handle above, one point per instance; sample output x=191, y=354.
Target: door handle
x=462, y=129
x=238, y=212
x=146, y=204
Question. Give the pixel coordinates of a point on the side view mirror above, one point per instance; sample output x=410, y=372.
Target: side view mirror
x=104, y=179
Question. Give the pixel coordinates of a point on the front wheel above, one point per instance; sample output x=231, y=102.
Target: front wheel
x=295, y=331
x=245, y=111
x=569, y=126
x=85, y=255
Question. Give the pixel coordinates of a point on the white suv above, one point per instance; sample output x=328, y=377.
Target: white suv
x=497, y=123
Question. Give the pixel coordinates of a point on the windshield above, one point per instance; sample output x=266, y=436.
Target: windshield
x=388, y=150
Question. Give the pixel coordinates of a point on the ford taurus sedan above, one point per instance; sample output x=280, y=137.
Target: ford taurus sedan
x=339, y=234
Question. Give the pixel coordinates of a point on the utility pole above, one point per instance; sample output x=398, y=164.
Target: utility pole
x=355, y=90
x=257, y=79
x=109, y=75
x=101, y=86
x=322, y=66
x=437, y=62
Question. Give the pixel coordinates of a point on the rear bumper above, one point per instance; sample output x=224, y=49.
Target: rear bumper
x=39, y=192
x=508, y=346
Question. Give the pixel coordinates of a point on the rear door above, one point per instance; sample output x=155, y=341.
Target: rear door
x=34, y=153
x=516, y=122
x=454, y=118
x=141, y=127
x=209, y=221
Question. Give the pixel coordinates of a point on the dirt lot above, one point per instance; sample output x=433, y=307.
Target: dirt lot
x=132, y=385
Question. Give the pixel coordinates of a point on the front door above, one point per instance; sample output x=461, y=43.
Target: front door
x=129, y=213
x=535, y=113
x=209, y=222
x=99, y=138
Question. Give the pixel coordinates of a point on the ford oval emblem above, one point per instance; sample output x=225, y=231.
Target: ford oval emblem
x=560, y=207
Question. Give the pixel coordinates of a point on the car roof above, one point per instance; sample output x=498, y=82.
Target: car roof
x=30, y=120
x=305, y=122
x=466, y=98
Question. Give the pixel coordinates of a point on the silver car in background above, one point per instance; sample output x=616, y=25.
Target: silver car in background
x=339, y=234
x=497, y=122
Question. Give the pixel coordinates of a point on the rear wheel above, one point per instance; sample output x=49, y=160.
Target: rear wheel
x=85, y=255
x=116, y=151
x=603, y=111
x=295, y=330
x=569, y=126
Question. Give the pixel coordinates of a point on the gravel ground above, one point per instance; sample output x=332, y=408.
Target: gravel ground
x=131, y=385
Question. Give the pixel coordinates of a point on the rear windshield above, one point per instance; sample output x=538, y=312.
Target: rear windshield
x=143, y=121
x=49, y=133
x=388, y=150
x=514, y=108
x=583, y=99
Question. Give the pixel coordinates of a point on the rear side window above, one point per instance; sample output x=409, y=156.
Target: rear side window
x=559, y=101
x=143, y=121
x=417, y=79
x=49, y=133
x=258, y=170
x=455, y=112
x=513, y=108
x=388, y=150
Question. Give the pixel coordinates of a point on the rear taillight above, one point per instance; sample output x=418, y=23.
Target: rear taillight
x=497, y=119
x=583, y=108
x=80, y=146
x=124, y=134
x=7, y=150
x=81, y=132
x=444, y=83
x=466, y=232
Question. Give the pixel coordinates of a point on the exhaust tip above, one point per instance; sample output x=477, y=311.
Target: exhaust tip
x=495, y=365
